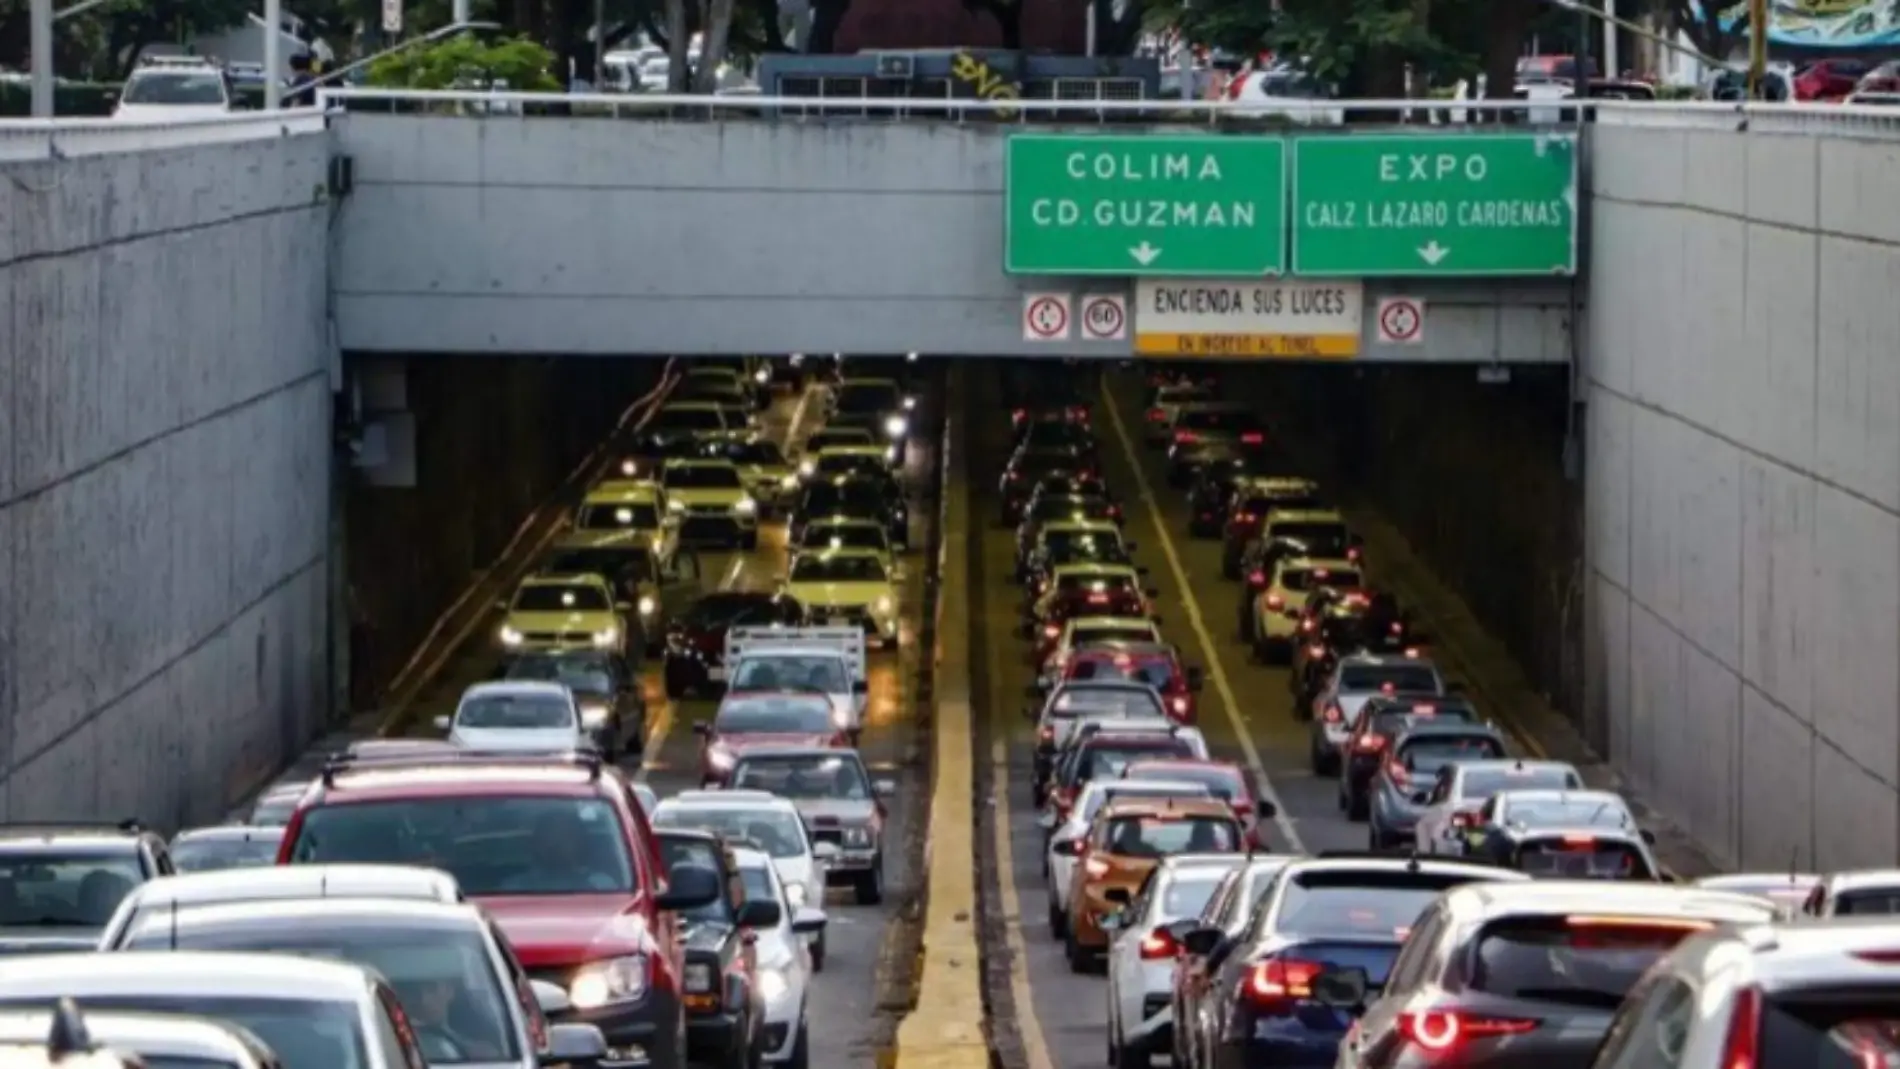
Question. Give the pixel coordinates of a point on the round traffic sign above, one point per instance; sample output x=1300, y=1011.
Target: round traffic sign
x=1102, y=318
x=1400, y=320
x=1047, y=318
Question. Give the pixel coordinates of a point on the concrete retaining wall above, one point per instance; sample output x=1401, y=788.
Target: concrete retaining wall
x=164, y=475
x=1744, y=483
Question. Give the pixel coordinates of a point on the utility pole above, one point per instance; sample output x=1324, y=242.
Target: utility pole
x=273, y=54
x=1757, y=47
x=41, y=17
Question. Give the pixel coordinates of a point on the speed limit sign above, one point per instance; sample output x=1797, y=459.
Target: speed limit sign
x=1104, y=317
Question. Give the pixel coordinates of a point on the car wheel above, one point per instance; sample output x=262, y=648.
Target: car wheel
x=1358, y=806
x=801, y=1050
x=1058, y=923
x=870, y=889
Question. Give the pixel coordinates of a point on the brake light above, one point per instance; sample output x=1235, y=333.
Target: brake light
x=1256, y=578
x=1352, y=553
x=1370, y=743
x=1316, y=651
x=1184, y=437
x=1180, y=706
x=1155, y=415
x=1047, y=734
x=1334, y=714
x=1275, y=602
x=1441, y=1030
x=1051, y=631
x=1411, y=651
x=1245, y=518
x=1097, y=868
x=1157, y=945
x=1282, y=981
x=1580, y=840
x=1744, y=1030
x=1252, y=438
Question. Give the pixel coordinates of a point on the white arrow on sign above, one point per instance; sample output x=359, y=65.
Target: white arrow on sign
x=1144, y=253
x=1433, y=252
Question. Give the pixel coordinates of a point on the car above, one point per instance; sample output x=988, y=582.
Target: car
x=770, y=478
x=312, y=1013
x=1028, y=466
x=1050, y=655
x=555, y=613
x=1165, y=404
x=1254, y=498
x=143, y=1039
x=527, y=716
x=65, y=880
x=1464, y=787
x=863, y=496
x=1046, y=509
x=1858, y=892
x=1319, y=914
x=753, y=718
x=1421, y=772
x=837, y=798
x=466, y=997
x=879, y=403
x=1457, y=828
x=1224, y=780
x=1501, y=972
x=1288, y=533
x=847, y=588
x=1333, y=624
x=1127, y=842
x=227, y=886
x=1073, y=484
x=627, y=514
x=1229, y=910
x=724, y=387
x=1060, y=855
x=1355, y=679
x=274, y=806
x=1155, y=664
x=1103, y=753
x=1089, y=589
x=1383, y=719
x=773, y=826
x=653, y=587
x=725, y=1005
x=814, y=660
x=709, y=499
x=1070, y=542
x=683, y=424
x=847, y=532
x=613, y=710
x=844, y=461
x=1141, y=957
x=168, y=89
x=1786, y=891
x=695, y=659
x=1052, y=428
x=1067, y=704
x=1056, y=399
x=557, y=849
x=785, y=961
x=1208, y=434
x=228, y=846
x=1276, y=609
x=1211, y=491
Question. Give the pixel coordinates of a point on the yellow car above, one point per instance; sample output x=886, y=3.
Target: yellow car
x=563, y=612
x=847, y=588
x=850, y=460
x=710, y=500
x=847, y=532
x=768, y=475
x=619, y=514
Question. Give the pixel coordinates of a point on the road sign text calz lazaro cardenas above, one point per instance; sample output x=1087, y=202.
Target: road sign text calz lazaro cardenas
x=1185, y=205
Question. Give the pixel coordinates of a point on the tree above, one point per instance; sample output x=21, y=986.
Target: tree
x=1008, y=15
x=105, y=42
x=466, y=59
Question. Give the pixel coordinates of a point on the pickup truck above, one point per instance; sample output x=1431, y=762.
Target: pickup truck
x=825, y=660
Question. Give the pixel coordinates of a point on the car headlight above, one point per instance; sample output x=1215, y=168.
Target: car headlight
x=745, y=506
x=910, y=404
x=795, y=894
x=675, y=505
x=700, y=978
x=600, y=983
x=628, y=467
x=896, y=426
x=594, y=716
x=858, y=836
x=773, y=984
x=807, y=467
x=762, y=376
x=510, y=636
x=606, y=637
x=883, y=606
x=647, y=605
x=720, y=757
x=790, y=482
x=890, y=455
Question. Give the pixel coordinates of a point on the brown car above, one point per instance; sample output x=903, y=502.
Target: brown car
x=1127, y=840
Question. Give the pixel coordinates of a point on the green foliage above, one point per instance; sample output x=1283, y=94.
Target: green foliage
x=1357, y=45
x=466, y=59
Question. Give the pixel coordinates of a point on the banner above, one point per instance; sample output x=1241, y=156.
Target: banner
x=1844, y=24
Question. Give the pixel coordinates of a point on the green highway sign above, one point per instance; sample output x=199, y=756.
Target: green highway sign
x=1471, y=205
x=1199, y=205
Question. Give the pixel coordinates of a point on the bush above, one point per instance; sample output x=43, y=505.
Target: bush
x=77, y=99
x=465, y=60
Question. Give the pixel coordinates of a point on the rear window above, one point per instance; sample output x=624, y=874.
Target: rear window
x=1222, y=783
x=1156, y=672
x=1397, y=721
x=1431, y=753
x=1853, y=1028
x=1481, y=783
x=1326, y=535
x=1084, y=636
x=1106, y=762
x=1582, y=857
x=1381, y=904
x=1161, y=836
x=1397, y=677
x=1304, y=579
x=1117, y=701
x=1882, y=901
x=1581, y=961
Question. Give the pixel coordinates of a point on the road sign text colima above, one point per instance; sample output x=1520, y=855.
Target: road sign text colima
x=1125, y=169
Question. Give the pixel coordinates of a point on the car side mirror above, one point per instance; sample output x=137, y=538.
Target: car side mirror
x=1649, y=837
x=689, y=887
x=1201, y=941
x=576, y=1044
x=1342, y=988
x=809, y=920
x=441, y=723
x=825, y=851
x=1196, y=679
x=759, y=913
x=860, y=686
x=884, y=788
x=1420, y=797
x=1117, y=895
x=551, y=998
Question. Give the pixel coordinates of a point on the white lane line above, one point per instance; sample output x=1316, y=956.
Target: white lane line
x=1215, y=672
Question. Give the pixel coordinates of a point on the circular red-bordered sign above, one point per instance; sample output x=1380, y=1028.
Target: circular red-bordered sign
x=1046, y=318
x=1102, y=318
x=1401, y=320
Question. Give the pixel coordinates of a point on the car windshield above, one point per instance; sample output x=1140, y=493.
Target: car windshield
x=1413, y=678
x=1560, y=811
x=561, y=597
x=1065, y=546
x=1582, y=857
x=213, y=853
x=845, y=536
x=641, y=515
x=1433, y=752
x=304, y=1034
x=791, y=671
x=1106, y=701
x=1107, y=762
x=677, y=851
x=519, y=712
x=580, y=676
x=1221, y=782
x=847, y=463
x=1559, y=959
x=689, y=419
x=720, y=610
x=442, y=974
x=844, y=568
x=175, y=88
x=1100, y=794
x=1479, y=784
x=1187, y=895
x=775, y=831
x=869, y=397
x=1161, y=836
x=807, y=776
x=774, y=716
x=491, y=844
x=850, y=497
x=702, y=477
x=49, y=889
x=1874, y=901
x=1104, y=587
x=1300, y=580
x=1157, y=672
x=1328, y=536
x=1821, y=1026
x=838, y=436
x=1083, y=636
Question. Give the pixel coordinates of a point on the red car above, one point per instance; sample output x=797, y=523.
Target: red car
x=554, y=847
x=750, y=719
x=1156, y=665
x=1223, y=779
x=1830, y=79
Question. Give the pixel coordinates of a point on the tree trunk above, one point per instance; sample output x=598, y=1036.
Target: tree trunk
x=716, y=19
x=678, y=37
x=1505, y=42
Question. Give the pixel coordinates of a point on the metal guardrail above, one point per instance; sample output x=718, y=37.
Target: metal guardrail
x=53, y=139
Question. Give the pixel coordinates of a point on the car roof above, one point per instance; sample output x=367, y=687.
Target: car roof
x=542, y=688
x=228, y=833
x=1613, y=898
x=300, y=911
x=1798, y=954
x=1384, y=660
x=1080, y=526
x=700, y=462
x=1319, y=564
x=839, y=519
x=1080, y=623
x=160, y=1035
x=97, y=834
x=1624, y=833
x=469, y=777
x=1148, y=787
x=1561, y=794
x=1527, y=764
x=735, y=799
x=1122, y=647
x=1210, y=764
x=563, y=579
x=1183, y=807
x=183, y=973
x=338, y=880
x=1862, y=879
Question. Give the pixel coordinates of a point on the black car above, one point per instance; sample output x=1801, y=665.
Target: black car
x=696, y=639
x=725, y=1007
x=1055, y=430
x=681, y=429
x=870, y=497
x=1026, y=469
x=1338, y=629
x=613, y=710
x=68, y=878
x=879, y=404
x=1212, y=490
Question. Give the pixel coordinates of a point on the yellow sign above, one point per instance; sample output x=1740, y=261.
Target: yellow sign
x=1222, y=318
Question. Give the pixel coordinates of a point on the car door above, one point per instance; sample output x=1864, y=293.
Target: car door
x=1190, y=970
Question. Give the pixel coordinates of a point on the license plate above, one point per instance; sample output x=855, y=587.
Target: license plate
x=717, y=675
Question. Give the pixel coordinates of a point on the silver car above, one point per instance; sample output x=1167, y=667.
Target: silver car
x=1355, y=680
x=785, y=964
x=839, y=801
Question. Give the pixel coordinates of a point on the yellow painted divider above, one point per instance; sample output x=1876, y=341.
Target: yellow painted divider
x=945, y=1030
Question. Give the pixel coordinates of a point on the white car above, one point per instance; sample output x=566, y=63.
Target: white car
x=169, y=89
x=1442, y=825
x=1277, y=608
x=517, y=716
x=1058, y=868
x=1355, y=680
x=1141, y=952
x=1787, y=890
x=785, y=965
x=274, y=883
x=826, y=659
x=1086, y=630
x=771, y=825
x=1859, y=892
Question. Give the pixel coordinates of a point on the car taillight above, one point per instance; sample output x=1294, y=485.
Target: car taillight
x=1277, y=982
x=1275, y=602
x=1370, y=743
x=1096, y=867
x=1353, y=553
x=1017, y=416
x=1051, y=631
x=1185, y=437
x=1155, y=415
x=1256, y=578
x=1441, y=1030
x=1013, y=476
x=1744, y=1030
x=1047, y=734
x=1316, y=651
x=1180, y=705
x=1252, y=438
x=1334, y=714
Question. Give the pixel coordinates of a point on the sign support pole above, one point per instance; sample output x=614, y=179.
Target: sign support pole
x=41, y=17
x=273, y=54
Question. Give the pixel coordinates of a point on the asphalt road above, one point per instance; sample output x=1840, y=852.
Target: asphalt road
x=846, y=1025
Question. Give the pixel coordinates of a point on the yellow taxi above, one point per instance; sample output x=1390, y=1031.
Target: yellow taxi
x=711, y=503
x=847, y=587
x=823, y=533
x=620, y=514
x=563, y=612
x=767, y=472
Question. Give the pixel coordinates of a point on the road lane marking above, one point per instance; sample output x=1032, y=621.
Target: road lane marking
x=1215, y=671
x=1021, y=995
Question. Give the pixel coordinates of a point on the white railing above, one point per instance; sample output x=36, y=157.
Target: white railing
x=44, y=139
x=1850, y=119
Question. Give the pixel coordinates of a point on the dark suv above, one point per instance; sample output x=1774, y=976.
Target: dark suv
x=725, y=1009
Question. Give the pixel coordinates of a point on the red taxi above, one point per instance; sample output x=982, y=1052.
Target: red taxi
x=748, y=720
x=1225, y=780
x=1153, y=663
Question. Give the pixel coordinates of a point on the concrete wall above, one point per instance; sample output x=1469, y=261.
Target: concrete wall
x=164, y=475
x=552, y=235
x=1744, y=477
